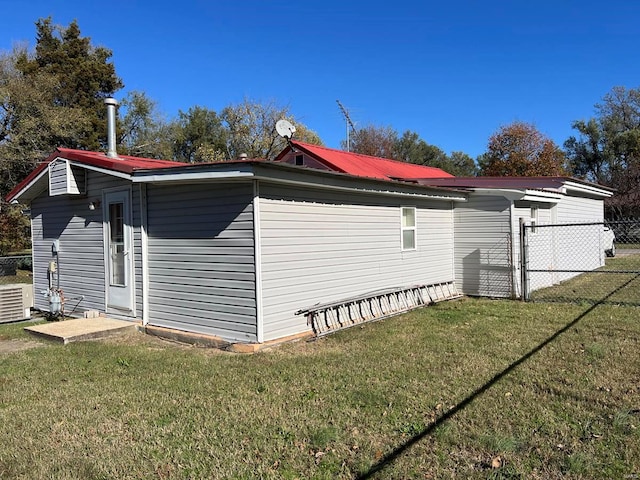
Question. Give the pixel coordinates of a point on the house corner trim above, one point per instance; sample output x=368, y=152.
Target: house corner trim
x=257, y=261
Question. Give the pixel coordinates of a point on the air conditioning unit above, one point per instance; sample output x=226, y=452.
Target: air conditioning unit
x=16, y=301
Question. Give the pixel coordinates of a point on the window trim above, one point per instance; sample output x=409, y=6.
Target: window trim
x=410, y=228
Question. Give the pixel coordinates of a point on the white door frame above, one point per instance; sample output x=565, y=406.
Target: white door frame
x=118, y=251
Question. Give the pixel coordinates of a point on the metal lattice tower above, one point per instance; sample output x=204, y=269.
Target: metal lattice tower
x=348, y=123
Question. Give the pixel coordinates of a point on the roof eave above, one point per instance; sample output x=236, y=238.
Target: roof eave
x=513, y=194
x=271, y=171
x=20, y=194
x=588, y=188
x=285, y=173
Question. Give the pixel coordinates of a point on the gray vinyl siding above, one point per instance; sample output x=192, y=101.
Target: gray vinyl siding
x=578, y=247
x=320, y=245
x=543, y=252
x=579, y=210
x=483, y=245
x=81, y=257
x=136, y=224
x=201, y=259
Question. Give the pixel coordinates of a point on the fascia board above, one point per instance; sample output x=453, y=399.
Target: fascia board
x=188, y=177
x=352, y=189
x=105, y=171
x=588, y=189
x=18, y=197
x=287, y=174
x=520, y=194
x=292, y=177
x=542, y=196
x=508, y=193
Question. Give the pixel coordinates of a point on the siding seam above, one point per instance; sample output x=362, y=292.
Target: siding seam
x=144, y=247
x=257, y=258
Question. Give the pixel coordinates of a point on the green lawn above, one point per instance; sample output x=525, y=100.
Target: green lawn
x=466, y=389
x=22, y=262
x=627, y=246
x=598, y=286
x=21, y=276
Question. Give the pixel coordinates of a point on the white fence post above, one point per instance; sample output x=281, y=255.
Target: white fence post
x=524, y=260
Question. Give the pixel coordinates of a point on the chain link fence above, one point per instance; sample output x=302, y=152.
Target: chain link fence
x=16, y=269
x=582, y=262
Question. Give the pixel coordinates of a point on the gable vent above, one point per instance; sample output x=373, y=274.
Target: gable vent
x=66, y=179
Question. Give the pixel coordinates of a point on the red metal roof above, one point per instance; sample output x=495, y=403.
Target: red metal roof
x=335, y=160
x=124, y=163
x=365, y=165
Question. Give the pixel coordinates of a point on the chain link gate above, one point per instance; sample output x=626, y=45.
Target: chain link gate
x=581, y=262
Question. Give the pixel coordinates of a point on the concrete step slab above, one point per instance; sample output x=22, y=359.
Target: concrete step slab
x=77, y=330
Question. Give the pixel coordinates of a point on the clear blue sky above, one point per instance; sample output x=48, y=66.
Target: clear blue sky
x=453, y=71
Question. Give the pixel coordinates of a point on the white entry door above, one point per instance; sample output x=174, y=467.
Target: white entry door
x=118, y=251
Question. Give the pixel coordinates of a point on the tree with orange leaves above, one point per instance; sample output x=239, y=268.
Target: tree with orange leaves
x=519, y=149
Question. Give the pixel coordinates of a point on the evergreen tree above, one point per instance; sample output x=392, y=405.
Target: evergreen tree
x=81, y=73
x=50, y=97
x=607, y=149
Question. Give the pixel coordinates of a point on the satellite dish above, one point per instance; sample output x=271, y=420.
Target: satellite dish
x=285, y=128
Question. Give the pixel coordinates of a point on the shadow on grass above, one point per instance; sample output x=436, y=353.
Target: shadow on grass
x=585, y=301
x=590, y=288
x=393, y=455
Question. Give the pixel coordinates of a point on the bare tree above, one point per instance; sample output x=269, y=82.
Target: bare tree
x=251, y=129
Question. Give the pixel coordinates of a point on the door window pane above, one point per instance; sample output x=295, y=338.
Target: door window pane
x=116, y=243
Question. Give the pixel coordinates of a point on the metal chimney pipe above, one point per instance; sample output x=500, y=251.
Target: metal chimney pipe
x=111, y=104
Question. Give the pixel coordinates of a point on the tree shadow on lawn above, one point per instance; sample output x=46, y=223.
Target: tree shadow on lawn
x=397, y=452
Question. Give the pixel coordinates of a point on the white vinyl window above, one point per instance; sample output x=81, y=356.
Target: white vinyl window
x=534, y=218
x=408, y=230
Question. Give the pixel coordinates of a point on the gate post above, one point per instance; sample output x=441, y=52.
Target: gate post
x=524, y=260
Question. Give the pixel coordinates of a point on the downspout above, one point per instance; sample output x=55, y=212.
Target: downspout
x=514, y=259
x=257, y=261
x=524, y=261
x=453, y=241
